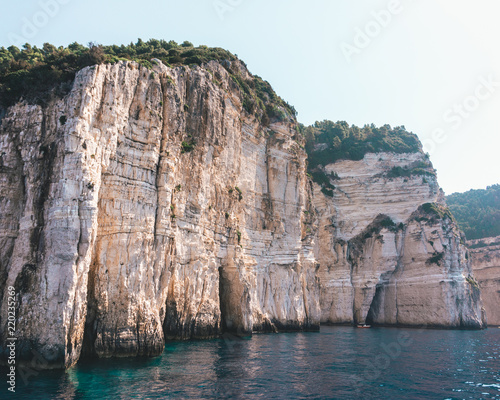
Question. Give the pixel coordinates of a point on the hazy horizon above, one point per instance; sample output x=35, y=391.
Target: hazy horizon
x=431, y=66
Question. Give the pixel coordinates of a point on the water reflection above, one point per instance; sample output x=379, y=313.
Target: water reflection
x=340, y=362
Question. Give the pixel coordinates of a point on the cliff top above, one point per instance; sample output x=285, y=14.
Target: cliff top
x=37, y=73
x=327, y=141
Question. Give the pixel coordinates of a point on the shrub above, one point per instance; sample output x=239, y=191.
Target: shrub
x=437, y=211
x=435, y=259
x=320, y=177
x=240, y=194
x=62, y=119
x=472, y=281
x=387, y=223
x=419, y=169
x=187, y=147
x=327, y=192
x=334, y=176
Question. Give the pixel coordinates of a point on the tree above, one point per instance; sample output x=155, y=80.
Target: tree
x=477, y=211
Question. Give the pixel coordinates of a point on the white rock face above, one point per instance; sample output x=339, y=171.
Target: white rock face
x=148, y=205
x=383, y=259
x=115, y=234
x=485, y=255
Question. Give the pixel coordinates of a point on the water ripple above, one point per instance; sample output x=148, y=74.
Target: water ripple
x=339, y=362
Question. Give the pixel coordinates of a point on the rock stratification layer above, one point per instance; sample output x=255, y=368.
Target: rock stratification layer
x=149, y=205
x=388, y=249
x=485, y=254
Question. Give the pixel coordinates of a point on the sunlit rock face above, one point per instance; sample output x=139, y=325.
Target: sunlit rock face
x=147, y=205
x=384, y=258
x=485, y=255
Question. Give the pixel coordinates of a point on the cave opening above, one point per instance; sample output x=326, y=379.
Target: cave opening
x=375, y=306
x=234, y=302
x=228, y=323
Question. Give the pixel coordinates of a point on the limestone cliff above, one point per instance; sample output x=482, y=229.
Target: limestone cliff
x=388, y=249
x=485, y=255
x=148, y=205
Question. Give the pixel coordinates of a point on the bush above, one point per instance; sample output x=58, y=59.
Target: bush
x=345, y=142
x=327, y=192
x=398, y=172
x=240, y=194
x=387, y=223
x=187, y=147
x=435, y=259
x=472, y=281
x=321, y=178
x=380, y=222
x=437, y=211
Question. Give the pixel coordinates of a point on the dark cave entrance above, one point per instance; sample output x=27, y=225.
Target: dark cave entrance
x=373, y=312
x=234, y=302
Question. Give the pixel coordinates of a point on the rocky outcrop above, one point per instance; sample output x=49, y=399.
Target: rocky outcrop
x=148, y=205
x=389, y=252
x=485, y=255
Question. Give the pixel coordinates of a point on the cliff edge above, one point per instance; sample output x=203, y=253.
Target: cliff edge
x=154, y=204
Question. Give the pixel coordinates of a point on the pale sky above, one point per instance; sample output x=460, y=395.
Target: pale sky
x=431, y=65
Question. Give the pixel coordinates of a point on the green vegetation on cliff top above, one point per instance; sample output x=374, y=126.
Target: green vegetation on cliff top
x=327, y=141
x=477, y=211
x=35, y=73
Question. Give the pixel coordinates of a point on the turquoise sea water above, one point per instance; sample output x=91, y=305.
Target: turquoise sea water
x=337, y=363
